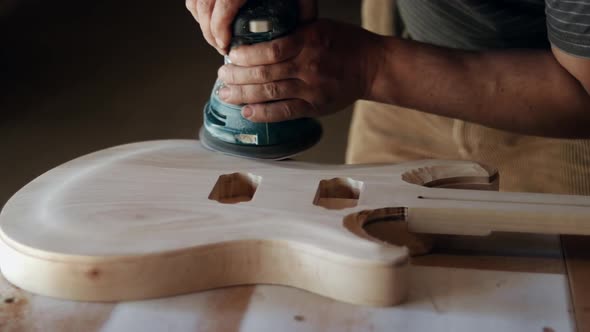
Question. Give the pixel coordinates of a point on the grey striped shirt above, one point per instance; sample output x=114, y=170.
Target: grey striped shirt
x=492, y=24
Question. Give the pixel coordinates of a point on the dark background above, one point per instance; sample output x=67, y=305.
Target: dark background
x=79, y=76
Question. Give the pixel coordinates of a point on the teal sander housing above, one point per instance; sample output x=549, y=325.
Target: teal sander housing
x=224, y=129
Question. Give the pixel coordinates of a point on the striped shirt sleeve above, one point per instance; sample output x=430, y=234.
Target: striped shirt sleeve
x=568, y=25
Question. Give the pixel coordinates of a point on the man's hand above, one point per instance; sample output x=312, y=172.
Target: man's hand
x=215, y=18
x=321, y=68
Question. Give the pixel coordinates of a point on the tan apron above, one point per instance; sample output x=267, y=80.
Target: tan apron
x=382, y=133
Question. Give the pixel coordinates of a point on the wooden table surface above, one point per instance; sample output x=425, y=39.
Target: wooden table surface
x=447, y=293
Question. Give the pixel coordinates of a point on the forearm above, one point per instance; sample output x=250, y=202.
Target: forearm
x=524, y=91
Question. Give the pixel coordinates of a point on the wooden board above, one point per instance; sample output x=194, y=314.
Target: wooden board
x=162, y=218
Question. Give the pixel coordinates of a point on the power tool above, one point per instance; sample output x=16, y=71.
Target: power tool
x=224, y=129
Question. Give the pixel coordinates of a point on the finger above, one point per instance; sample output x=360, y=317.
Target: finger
x=260, y=93
x=221, y=20
x=191, y=5
x=232, y=74
x=204, y=10
x=275, y=51
x=278, y=111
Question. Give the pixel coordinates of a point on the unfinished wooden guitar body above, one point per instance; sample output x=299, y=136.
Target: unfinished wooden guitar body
x=162, y=218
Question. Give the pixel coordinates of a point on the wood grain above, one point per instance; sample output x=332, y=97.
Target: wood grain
x=162, y=218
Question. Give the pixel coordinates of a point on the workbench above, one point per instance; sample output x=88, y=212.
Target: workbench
x=448, y=292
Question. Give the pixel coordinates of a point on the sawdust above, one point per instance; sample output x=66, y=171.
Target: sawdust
x=14, y=309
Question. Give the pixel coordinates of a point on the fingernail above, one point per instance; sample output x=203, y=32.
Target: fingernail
x=247, y=112
x=220, y=43
x=223, y=93
x=221, y=72
x=232, y=55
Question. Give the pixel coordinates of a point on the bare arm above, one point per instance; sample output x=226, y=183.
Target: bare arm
x=532, y=92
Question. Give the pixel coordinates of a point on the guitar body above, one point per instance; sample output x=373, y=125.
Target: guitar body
x=162, y=218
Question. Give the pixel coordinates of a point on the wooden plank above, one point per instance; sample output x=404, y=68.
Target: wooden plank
x=577, y=259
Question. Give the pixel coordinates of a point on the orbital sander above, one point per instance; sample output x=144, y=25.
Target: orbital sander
x=224, y=129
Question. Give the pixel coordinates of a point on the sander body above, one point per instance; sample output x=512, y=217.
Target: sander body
x=224, y=129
